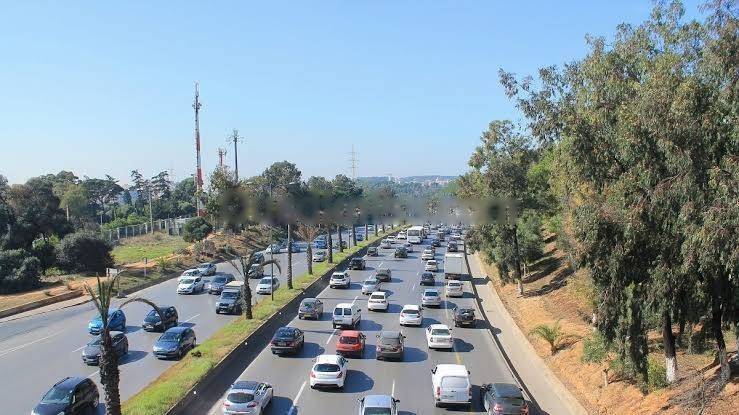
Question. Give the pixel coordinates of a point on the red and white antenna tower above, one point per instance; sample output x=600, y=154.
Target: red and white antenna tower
x=199, y=172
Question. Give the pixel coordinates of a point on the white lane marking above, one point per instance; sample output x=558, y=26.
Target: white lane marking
x=355, y=299
x=78, y=349
x=392, y=391
x=331, y=337
x=16, y=348
x=191, y=318
x=293, y=408
x=93, y=373
x=414, y=287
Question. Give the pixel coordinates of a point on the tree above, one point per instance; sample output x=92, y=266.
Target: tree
x=308, y=233
x=102, y=192
x=242, y=265
x=19, y=271
x=85, y=252
x=552, y=334
x=45, y=251
x=36, y=213
x=196, y=229
x=279, y=176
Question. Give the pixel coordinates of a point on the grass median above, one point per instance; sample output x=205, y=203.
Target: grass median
x=172, y=385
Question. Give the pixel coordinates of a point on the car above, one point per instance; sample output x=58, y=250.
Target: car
x=454, y=288
x=452, y=247
x=207, y=268
x=431, y=265
x=351, y=343
x=427, y=278
x=247, y=397
x=218, y=282
x=267, y=285
x=386, y=244
x=275, y=248
x=153, y=320
x=400, y=252
x=320, y=244
x=390, y=345
x=411, y=315
x=464, y=316
x=91, y=352
x=255, y=271
x=294, y=248
x=310, y=307
x=357, y=263
x=191, y=285
x=116, y=321
x=189, y=273
x=439, y=336
x=287, y=340
x=370, y=285
x=430, y=297
x=451, y=385
x=71, y=395
x=432, y=249
x=436, y=243
x=383, y=274
x=174, y=343
x=329, y=370
x=378, y=404
x=390, y=238
x=230, y=300
x=377, y=301
x=408, y=247
x=319, y=256
x=360, y=236
x=372, y=251
x=401, y=235
x=427, y=254
x=346, y=315
x=503, y=398
x=340, y=279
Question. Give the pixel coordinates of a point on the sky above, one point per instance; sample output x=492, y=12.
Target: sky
x=107, y=87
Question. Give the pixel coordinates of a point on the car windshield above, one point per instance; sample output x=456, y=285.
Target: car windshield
x=187, y=281
x=338, y=275
x=153, y=313
x=376, y=411
x=427, y=275
x=169, y=336
x=240, y=397
x=440, y=332
x=94, y=342
x=229, y=294
x=348, y=340
x=220, y=280
x=370, y=282
x=57, y=396
x=326, y=367
x=266, y=281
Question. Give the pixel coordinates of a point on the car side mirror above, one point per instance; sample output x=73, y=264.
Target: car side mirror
x=396, y=400
x=433, y=370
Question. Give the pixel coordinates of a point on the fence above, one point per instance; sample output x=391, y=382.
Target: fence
x=172, y=226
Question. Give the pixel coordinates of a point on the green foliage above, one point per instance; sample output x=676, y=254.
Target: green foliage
x=656, y=374
x=45, y=251
x=595, y=349
x=164, y=264
x=85, y=252
x=196, y=229
x=552, y=334
x=19, y=271
x=132, y=219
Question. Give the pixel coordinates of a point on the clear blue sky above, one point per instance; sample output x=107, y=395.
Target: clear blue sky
x=106, y=87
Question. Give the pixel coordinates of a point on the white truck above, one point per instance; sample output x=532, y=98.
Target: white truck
x=454, y=265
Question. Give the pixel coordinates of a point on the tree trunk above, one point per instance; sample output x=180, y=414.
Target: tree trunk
x=247, y=299
x=718, y=336
x=354, y=235
x=330, y=245
x=338, y=230
x=375, y=228
x=289, y=259
x=366, y=232
x=309, y=257
x=109, y=374
x=517, y=260
x=668, y=341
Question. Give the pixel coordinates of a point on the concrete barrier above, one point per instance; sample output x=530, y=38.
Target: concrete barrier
x=40, y=303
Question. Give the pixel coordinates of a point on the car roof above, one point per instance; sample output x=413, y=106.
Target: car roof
x=328, y=358
x=246, y=385
x=390, y=334
x=339, y=273
x=507, y=390
x=452, y=369
x=344, y=305
x=205, y=263
x=178, y=329
x=381, y=401
x=164, y=307
x=309, y=300
x=383, y=293
x=69, y=382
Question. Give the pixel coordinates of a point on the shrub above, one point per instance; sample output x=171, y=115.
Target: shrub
x=45, y=251
x=196, y=229
x=656, y=373
x=19, y=271
x=594, y=349
x=85, y=252
x=163, y=264
x=553, y=335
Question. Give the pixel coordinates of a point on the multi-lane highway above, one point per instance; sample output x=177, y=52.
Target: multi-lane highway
x=37, y=351
x=410, y=379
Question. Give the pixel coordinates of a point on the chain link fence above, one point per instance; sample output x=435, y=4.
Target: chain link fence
x=171, y=226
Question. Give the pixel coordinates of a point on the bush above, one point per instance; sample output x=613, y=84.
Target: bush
x=656, y=373
x=594, y=349
x=85, y=252
x=45, y=251
x=19, y=271
x=553, y=335
x=196, y=229
x=163, y=264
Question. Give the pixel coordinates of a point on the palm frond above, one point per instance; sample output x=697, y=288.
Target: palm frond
x=145, y=301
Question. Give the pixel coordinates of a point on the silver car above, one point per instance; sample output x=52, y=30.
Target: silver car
x=431, y=297
x=378, y=404
x=370, y=285
x=247, y=397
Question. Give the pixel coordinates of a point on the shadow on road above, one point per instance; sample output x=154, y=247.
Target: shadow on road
x=462, y=346
x=369, y=325
x=132, y=356
x=310, y=351
x=414, y=355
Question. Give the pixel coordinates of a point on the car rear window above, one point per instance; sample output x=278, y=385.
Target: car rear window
x=439, y=332
x=229, y=294
x=377, y=296
x=431, y=294
x=267, y=280
x=348, y=340
x=240, y=397
x=219, y=280
x=455, y=284
x=284, y=332
x=454, y=382
x=410, y=311
x=326, y=367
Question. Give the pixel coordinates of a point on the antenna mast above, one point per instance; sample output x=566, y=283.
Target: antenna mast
x=353, y=161
x=198, y=172
x=221, y=154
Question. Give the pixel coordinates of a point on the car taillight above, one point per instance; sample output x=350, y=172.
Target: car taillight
x=226, y=404
x=524, y=409
x=438, y=391
x=497, y=408
x=251, y=404
x=312, y=374
x=341, y=374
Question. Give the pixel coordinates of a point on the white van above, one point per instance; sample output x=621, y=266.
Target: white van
x=346, y=315
x=451, y=385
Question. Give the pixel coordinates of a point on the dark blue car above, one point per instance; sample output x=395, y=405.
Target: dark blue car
x=320, y=244
x=116, y=321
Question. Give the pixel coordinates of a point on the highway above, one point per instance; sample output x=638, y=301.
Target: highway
x=38, y=351
x=408, y=380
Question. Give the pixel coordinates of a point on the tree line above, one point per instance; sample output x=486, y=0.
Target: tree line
x=630, y=156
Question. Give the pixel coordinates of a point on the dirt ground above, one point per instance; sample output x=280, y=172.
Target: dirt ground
x=554, y=292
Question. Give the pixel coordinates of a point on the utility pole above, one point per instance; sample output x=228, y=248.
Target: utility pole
x=221, y=153
x=353, y=161
x=236, y=139
x=199, y=171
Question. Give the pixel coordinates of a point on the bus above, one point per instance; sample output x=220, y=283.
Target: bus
x=415, y=234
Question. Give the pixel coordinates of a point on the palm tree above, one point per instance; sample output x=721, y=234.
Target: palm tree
x=308, y=233
x=338, y=230
x=102, y=296
x=330, y=244
x=553, y=335
x=289, y=258
x=242, y=265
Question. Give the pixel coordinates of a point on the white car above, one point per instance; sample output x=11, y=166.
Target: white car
x=431, y=297
x=451, y=386
x=247, y=397
x=454, y=288
x=431, y=265
x=340, y=279
x=190, y=273
x=439, y=336
x=329, y=370
x=190, y=285
x=207, y=268
x=427, y=254
x=386, y=244
x=411, y=315
x=267, y=285
x=319, y=256
x=377, y=301
x=401, y=235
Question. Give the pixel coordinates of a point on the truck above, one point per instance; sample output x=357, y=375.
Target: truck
x=454, y=265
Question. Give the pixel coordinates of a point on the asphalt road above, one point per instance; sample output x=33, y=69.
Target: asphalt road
x=38, y=351
x=408, y=380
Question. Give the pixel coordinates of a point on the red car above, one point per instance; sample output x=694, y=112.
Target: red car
x=351, y=342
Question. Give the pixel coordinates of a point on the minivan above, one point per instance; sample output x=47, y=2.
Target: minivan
x=346, y=315
x=451, y=385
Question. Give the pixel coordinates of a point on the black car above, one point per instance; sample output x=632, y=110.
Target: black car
x=310, y=307
x=174, y=343
x=72, y=395
x=383, y=275
x=503, y=398
x=390, y=345
x=372, y=251
x=452, y=247
x=436, y=243
x=401, y=252
x=218, y=282
x=91, y=352
x=464, y=317
x=287, y=340
x=153, y=322
x=357, y=263
x=427, y=278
